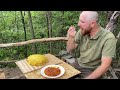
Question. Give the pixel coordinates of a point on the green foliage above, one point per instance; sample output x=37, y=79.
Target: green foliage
x=102, y=18
x=11, y=31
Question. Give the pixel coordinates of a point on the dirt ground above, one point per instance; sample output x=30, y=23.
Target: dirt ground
x=12, y=73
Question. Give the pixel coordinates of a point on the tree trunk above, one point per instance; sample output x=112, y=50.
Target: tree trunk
x=63, y=23
x=109, y=14
x=112, y=20
x=16, y=23
x=49, y=26
x=62, y=29
x=4, y=22
x=16, y=28
x=23, y=22
x=32, y=31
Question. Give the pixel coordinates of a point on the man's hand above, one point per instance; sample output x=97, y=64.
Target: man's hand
x=71, y=43
x=71, y=32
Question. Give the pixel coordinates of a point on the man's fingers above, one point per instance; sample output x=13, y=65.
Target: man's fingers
x=72, y=28
x=71, y=31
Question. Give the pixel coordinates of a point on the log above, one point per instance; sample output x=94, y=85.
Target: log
x=118, y=36
x=117, y=70
x=17, y=77
x=33, y=41
x=111, y=26
x=113, y=73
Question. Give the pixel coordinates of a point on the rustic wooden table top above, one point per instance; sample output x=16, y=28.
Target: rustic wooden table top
x=33, y=72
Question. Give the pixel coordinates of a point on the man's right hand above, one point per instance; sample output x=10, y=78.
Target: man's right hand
x=71, y=32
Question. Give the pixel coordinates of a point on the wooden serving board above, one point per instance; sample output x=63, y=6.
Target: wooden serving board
x=69, y=72
x=25, y=67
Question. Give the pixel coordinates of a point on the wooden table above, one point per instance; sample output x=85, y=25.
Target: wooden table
x=33, y=72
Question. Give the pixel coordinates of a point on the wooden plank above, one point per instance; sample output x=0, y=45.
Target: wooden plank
x=25, y=67
x=69, y=72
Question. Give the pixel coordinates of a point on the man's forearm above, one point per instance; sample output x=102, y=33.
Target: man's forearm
x=97, y=73
x=71, y=44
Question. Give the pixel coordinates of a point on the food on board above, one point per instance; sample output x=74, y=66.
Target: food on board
x=37, y=59
x=52, y=71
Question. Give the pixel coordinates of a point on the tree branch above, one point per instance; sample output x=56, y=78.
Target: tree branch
x=111, y=26
x=33, y=41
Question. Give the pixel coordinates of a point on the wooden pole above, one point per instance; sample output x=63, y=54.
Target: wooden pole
x=33, y=41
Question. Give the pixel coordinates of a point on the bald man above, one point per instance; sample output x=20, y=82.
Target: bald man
x=97, y=46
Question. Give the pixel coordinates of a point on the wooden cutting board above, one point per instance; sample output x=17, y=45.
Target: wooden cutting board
x=25, y=67
x=69, y=72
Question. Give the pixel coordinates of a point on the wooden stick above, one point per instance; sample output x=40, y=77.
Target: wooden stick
x=13, y=61
x=33, y=41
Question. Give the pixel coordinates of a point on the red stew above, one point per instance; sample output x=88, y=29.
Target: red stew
x=52, y=71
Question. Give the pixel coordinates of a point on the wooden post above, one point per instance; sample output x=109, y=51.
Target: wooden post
x=2, y=75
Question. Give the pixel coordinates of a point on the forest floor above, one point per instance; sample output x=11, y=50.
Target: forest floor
x=12, y=73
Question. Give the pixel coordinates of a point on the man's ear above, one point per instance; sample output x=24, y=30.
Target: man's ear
x=92, y=23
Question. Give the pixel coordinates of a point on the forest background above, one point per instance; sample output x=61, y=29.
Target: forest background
x=19, y=26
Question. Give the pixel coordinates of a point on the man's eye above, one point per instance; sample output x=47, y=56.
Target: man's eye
x=82, y=22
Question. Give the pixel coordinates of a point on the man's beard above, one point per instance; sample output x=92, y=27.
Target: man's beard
x=86, y=31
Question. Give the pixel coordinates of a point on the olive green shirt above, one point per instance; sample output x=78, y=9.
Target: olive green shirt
x=93, y=49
